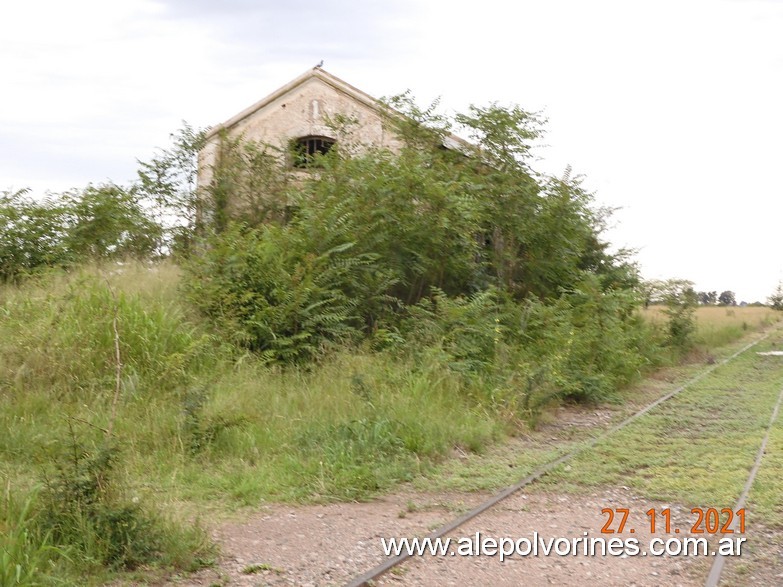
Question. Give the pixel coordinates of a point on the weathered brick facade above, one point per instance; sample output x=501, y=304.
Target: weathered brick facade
x=301, y=109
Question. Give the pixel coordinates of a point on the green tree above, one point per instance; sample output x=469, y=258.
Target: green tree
x=727, y=298
x=681, y=300
x=776, y=299
x=32, y=234
x=169, y=183
x=249, y=185
x=504, y=136
x=108, y=221
x=371, y=235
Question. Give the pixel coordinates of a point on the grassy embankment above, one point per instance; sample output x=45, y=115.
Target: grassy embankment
x=199, y=428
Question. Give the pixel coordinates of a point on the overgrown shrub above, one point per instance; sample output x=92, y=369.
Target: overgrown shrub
x=60, y=334
x=465, y=332
x=681, y=327
x=83, y=510
x=97, y=222
x=268, y=294
x=32, y=235
x=466, y=256
x=91, y=518
x=582, y=346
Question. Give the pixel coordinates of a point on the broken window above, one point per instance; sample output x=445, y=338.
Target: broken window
x=306, y=149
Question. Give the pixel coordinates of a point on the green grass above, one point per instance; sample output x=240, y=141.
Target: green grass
x=202, y=429
x=500, y=467
x=764, y=499
x=27, y=555
x=697, y=448
x=199, y=428
x=200, y=422
x=265, y=435
x=506, y=463
x=765, y=517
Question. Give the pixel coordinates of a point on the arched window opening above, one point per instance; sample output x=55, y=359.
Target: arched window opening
x=306, y=149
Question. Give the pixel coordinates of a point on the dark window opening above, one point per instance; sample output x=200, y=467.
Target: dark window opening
x=306, y=150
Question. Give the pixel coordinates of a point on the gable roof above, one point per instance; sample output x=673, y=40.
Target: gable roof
x=314, y=73
x=450, y=141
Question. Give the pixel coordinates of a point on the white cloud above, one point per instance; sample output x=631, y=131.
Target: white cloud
x=670, y=108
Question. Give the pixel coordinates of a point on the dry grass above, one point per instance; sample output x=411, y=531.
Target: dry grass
x=719, y=316
x=719, y=325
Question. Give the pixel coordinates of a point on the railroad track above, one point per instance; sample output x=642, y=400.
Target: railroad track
x=367, y=579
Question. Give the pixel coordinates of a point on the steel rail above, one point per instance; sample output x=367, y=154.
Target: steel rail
x=717, y=565
x=367, y=578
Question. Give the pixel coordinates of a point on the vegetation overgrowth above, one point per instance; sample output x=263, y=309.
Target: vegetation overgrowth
x=314, y=335
x=699, y=446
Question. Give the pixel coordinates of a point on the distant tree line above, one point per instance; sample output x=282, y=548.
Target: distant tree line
x=660, y=292
x=711, y=298
x=153, y=217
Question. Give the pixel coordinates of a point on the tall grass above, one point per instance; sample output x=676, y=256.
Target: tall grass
x=720, y=325
x=57, y=367
x=27, y=555
x=345, y=430
x=199, y=425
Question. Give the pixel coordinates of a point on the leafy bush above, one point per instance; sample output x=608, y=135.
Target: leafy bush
x=98, y=222
x=32, y=235
x=108, y=221
x=87, y=515
x=269, y=295
x=680, y=309
x=607, y=344
x=465, y=331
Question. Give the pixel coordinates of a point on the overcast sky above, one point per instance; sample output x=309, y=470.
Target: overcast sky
x=672, y=110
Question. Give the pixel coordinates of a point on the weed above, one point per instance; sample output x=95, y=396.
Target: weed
x=27, y=554
x=259, y=567
x=207, y=427
x=399, y=571
x=80, y=508
x=200, y=431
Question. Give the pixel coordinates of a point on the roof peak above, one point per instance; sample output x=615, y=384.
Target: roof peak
x=314, y=72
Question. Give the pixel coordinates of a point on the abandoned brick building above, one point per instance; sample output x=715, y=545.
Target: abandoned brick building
x=297, y=115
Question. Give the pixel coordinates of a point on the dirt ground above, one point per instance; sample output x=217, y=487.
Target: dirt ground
x=322, y=545
x=331, y=544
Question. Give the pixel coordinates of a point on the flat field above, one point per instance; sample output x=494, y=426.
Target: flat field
x=719, y=325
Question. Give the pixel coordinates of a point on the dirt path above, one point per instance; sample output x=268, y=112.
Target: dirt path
x=331, y=544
